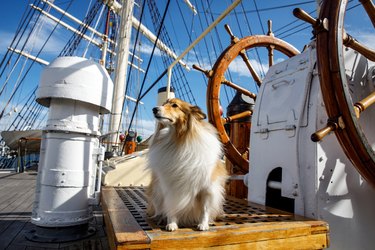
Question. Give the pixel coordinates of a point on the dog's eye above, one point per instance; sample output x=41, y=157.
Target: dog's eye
x=174, y=105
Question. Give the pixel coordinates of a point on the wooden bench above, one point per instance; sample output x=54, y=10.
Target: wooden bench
x=244, y=225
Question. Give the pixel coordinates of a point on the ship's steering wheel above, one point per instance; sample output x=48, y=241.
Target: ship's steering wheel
x=239, y=48
x=349, y=102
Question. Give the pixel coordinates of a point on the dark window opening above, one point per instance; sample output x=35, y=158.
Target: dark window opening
x=273, y=195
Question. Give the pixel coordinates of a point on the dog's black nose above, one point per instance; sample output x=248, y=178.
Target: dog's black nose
x=154, y=110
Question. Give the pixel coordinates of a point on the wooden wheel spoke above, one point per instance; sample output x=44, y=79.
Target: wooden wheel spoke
x=237, y=116
x=254, y=74
x=370, y=9
x=351, y=42
x=270, y=55
x=353, y=134
x=240, y=89
x=362, y=105
x=245, y=154
x=348, y=40
x=217, y=80
x=321, y=133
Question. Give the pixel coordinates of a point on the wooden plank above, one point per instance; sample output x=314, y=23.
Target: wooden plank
x=12, y=231
x=14, y=190
x=16, y=247
x=310, y=242
x=105, y=243
x=121, y=226
x=17, y=213
x=16, y=210
x=244, y=234
x=244, y=225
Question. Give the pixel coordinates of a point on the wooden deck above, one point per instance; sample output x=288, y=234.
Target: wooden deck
x=16, y=202
x=244, y=225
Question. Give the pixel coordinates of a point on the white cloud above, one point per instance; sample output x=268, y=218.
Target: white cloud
x=6, y=38
x=146, y=128
x=9, y=115
x=37, y=38
x=143, y=127
x=42, y=32
x=364, y=37
x=238, y=66
x=146, y=48
x=204, y=64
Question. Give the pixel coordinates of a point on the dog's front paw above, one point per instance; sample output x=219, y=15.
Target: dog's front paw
x=171, y=227
x=203, y=227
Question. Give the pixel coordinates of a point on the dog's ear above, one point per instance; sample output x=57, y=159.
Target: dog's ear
x=198, y=113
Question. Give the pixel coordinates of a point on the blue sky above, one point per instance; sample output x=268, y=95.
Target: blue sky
x=285, y=26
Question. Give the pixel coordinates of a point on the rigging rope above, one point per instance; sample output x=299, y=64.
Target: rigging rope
x=256, y=50
x=19, y=116
x=23, y=47
x=204, y=40
x=191, y=40
x=32, y=63
x=72, y=45
x=148, y=67
x=24, y=20
x=216, y=54
x=181, y=85
x=130, y=68
x=95, y=28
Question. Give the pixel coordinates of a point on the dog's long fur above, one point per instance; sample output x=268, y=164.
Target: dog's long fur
x=188, y=177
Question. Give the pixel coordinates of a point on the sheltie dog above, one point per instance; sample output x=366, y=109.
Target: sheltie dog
x=188, y=176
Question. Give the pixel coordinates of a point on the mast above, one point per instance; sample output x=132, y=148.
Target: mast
x=121, y=70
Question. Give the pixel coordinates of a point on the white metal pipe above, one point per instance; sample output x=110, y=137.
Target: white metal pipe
x=34, y=58
x=149, y=35
x=114, y=5
x=192, y=7
x=136, y=67
x=236, y=177
x=100, y=160
x=76, y=20
x=121, y=69
x=104, y=39
x=88, y=27
x=68, y=26
x=274, y=184
x=132, y=99
x=93, y=41
x=212, y=25
x=162, y=46
x=136, y=57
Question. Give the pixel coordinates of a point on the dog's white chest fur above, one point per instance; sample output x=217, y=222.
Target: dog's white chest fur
x=190, y=162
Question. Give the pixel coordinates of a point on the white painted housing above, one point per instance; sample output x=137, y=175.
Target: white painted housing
x=76, y=90
x=317, y=176
x=163, y=95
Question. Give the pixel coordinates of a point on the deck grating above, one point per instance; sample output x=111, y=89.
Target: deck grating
x=244, y=225
x=235, y=211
